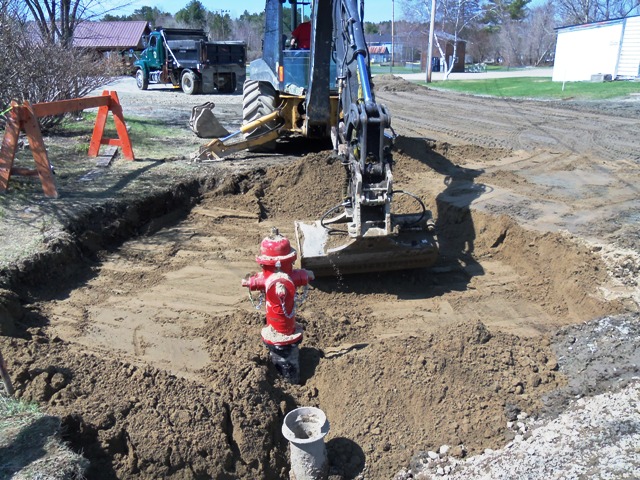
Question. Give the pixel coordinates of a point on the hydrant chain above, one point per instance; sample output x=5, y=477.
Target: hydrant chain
x=284, y=309
x=301, y=298
x=260, y=300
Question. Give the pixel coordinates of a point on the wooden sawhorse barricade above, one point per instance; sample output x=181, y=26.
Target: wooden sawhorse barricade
x=25, y=118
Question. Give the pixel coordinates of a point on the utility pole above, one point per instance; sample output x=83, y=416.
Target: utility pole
x=432, y=23
x=393, y=33
x=222, y=13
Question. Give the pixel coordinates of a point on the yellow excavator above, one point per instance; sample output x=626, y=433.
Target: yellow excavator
x=321, y=92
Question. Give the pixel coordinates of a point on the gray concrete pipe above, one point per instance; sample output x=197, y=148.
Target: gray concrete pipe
x=305, y=428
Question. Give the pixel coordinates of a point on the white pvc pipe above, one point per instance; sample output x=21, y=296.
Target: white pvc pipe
x=305, y=428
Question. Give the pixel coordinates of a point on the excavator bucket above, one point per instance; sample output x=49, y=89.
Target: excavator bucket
x=204, y=122
x=218, y=148
x=328, y=254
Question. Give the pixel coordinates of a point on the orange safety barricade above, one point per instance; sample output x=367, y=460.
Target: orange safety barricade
x=25, y=118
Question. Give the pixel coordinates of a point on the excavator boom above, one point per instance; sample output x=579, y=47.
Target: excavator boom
x=373, y=238
x=326, y=91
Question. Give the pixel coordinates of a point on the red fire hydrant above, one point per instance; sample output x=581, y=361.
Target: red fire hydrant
x=278, y=283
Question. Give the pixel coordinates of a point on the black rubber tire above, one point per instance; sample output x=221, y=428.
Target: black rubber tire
x=142, y=80
x=258, y=100
x=190, y=83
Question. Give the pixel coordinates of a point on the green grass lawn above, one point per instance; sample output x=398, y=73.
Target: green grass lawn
x=540, y=87
x=149, y=137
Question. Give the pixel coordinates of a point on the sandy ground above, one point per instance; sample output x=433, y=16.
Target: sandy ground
x=152, y=357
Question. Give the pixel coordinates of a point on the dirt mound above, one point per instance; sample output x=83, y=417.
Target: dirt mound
x=594, y=412
x=419, y=148
x=180, y=384
x=141, y=422
x=152, y=356
x=391, y=83
x=386, y=398
x=304, y=189
x=458, y=385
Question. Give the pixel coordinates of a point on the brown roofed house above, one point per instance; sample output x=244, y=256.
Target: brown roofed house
x=107, y=37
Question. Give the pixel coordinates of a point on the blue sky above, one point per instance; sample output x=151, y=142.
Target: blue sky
x=374, y=10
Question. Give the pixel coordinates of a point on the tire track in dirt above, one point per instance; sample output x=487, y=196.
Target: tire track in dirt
x=520, y=124
x=575, y=170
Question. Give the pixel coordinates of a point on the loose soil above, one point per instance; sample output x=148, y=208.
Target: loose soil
x=149, y=350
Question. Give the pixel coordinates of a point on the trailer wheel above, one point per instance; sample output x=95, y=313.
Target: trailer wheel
x=258, y=100
x=190, y=82
x=142, y=79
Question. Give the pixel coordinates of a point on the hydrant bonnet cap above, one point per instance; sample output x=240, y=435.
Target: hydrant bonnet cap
x=276, y=247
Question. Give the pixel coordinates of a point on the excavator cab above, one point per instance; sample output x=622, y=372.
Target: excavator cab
x=326, y=92
x=301, y=82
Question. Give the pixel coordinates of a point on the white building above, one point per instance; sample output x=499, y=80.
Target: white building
x=611, y=47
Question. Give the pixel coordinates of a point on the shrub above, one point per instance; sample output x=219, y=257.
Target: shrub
x=39, y=70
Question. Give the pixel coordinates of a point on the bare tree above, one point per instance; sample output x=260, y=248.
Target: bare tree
x=152, y=15
x=541, y=37
x=586, y=11
x=39, y=70
x=453, y=17
x=220, y=25
x=413, y=37
x=250, y=28
x=482, y=44
x=507, y=21
x=57, y=19
x=511, y=43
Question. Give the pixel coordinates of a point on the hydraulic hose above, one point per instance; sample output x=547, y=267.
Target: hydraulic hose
x=326, y=214
x=417, y=199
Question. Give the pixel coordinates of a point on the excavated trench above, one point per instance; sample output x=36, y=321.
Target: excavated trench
x=151, y=353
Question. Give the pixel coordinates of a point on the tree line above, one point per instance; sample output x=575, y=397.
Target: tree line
x=512, y=32
x=248, y=27
x=37, y=63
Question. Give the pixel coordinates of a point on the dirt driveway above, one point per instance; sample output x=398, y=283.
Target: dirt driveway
x=151, y=353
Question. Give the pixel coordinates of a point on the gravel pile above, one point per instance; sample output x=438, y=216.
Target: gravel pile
x=597, y=433
x=598, y=437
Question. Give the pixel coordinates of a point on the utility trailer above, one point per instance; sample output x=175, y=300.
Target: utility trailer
x=185, y=58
